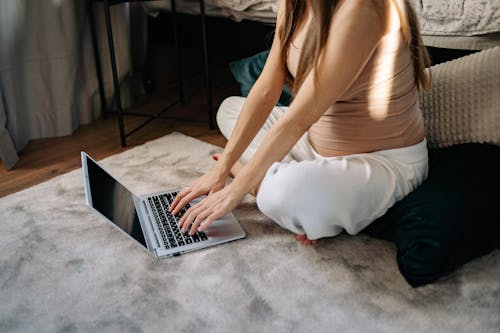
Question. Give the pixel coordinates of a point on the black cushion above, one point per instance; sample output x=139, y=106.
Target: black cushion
x=453, y=217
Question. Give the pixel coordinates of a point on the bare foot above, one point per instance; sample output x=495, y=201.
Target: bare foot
x=235, y=170
x=304, y=240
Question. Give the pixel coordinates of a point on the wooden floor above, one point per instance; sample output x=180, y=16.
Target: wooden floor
x=44, y=159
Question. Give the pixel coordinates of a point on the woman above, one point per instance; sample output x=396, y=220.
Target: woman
x=352, y=142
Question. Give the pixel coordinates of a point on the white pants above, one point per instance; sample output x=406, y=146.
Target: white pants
x=307, y=193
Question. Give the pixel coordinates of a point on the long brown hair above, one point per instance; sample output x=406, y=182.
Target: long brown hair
x=322, y=12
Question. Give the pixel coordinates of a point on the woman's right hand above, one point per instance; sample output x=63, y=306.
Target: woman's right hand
x=211, y=182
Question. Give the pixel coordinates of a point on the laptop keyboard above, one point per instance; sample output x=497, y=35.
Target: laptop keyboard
x=167, y=223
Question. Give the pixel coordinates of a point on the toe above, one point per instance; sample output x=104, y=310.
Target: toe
x=300, y=237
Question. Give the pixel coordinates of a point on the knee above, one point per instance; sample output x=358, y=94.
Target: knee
x=228, y=113
x=300, y=197
x=285, y=196
x=273, y=201
x=279, y=189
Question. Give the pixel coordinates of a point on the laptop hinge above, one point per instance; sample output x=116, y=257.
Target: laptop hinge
x=157, y=250
x=154, y=237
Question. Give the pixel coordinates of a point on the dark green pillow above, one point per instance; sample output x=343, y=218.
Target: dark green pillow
x=453, y=217
x=246, y=71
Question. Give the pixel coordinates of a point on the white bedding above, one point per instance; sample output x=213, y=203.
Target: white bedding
x=456, y=24
x=458, y=17
x=238, y=10
x=459, y=24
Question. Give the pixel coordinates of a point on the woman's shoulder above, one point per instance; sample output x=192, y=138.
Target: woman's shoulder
x=380, y=7
x=364, y=11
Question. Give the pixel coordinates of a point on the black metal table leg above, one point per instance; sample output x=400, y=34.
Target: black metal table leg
x=115, y=74
x=116, y=84
x=177, y=50
x=208, y=80
x=97, y=57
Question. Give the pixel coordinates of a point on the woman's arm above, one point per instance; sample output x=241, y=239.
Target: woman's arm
x=355, y=31
x=257, y=107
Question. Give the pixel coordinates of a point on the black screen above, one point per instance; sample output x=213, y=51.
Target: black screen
x=114, y=201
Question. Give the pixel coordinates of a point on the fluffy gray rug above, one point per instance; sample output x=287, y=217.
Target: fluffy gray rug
x=64, y=269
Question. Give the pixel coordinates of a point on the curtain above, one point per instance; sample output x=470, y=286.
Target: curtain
x=48, y=83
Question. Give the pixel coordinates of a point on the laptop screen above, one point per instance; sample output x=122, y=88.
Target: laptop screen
x=114, y=201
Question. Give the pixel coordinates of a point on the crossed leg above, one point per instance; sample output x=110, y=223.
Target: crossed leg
x=235, y=170
x=227, y=116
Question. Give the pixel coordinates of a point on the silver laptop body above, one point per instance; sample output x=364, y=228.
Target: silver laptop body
x=145, y=218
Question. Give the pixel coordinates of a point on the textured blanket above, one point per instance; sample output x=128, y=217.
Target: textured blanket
x=65, y=269
x=238, y=10
x=436, y=17
x=458, y=17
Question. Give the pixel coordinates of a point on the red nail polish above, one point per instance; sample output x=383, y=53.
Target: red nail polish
x=215, y=157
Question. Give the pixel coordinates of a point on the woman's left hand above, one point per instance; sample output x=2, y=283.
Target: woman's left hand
x=212, y=207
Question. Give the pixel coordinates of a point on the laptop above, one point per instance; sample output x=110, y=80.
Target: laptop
x=146, y=218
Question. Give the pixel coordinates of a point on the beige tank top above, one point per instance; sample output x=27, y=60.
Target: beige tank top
x=379, y=111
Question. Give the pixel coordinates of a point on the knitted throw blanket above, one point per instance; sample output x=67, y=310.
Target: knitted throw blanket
x=463, y=103
x=457, y=17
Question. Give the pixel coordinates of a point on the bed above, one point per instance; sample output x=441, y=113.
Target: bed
x=453, y=24
x=264, y=11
